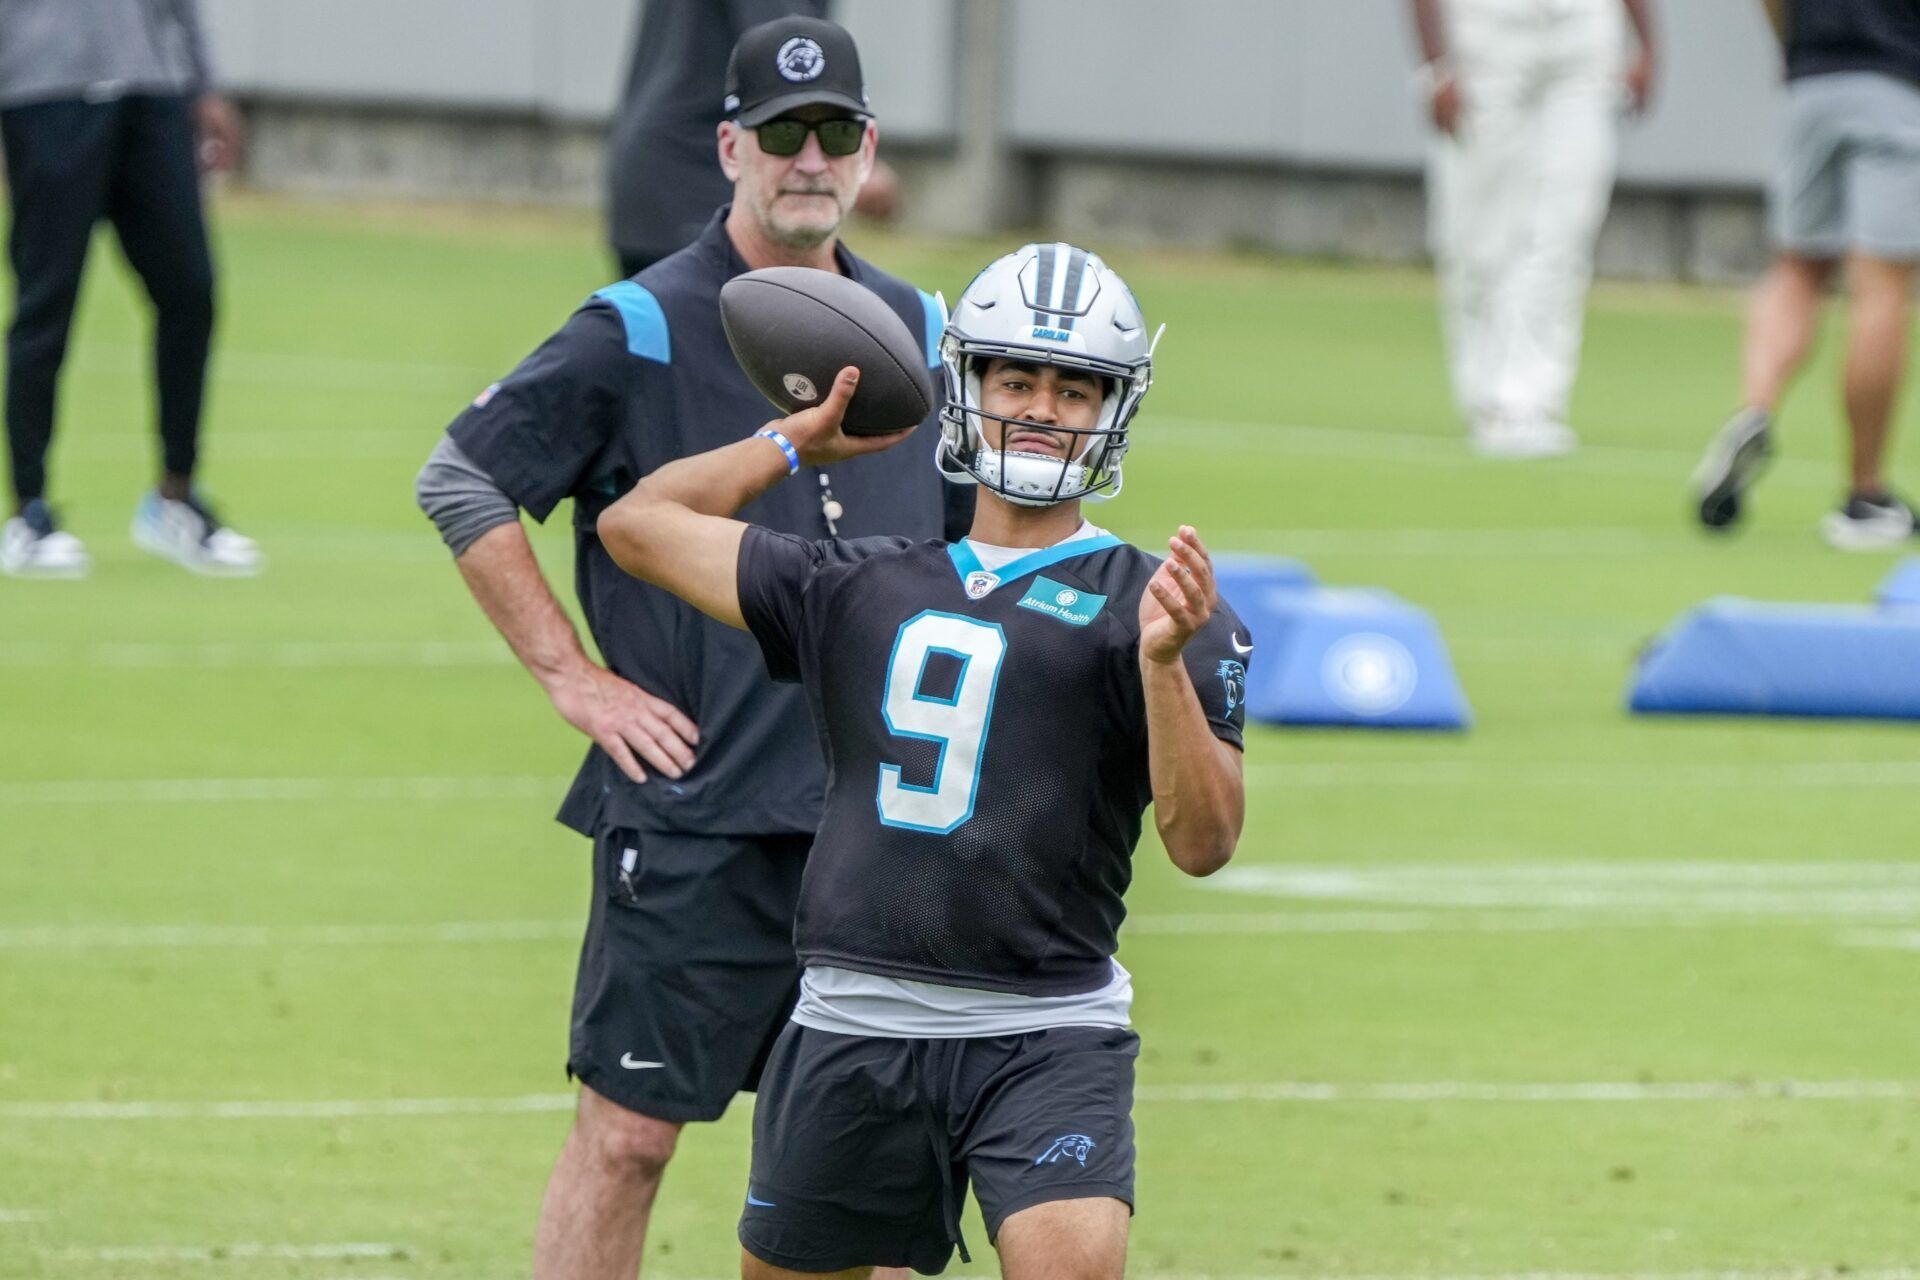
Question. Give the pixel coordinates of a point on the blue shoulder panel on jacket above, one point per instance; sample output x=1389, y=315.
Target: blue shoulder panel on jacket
x=936, y=323
x=646, y=322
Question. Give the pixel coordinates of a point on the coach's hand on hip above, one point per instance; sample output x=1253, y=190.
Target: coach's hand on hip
x=630, y=724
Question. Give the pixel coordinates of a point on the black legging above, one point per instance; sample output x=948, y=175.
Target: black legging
x=70, y=164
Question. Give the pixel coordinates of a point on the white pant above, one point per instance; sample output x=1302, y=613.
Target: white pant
x=1517, y=197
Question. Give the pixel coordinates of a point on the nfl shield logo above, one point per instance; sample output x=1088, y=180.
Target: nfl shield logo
x=979, y=582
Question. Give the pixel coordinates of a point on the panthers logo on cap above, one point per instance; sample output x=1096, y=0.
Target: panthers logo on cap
x=801, y=59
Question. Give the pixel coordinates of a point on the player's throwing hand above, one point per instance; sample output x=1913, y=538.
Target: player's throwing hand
x=816, y=433
x=1179, y=599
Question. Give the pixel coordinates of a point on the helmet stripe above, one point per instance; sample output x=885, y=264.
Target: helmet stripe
x=1043, y=286
x=1070, y=289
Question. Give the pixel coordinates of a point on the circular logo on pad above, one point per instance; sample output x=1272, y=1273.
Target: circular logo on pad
x=1369, y=674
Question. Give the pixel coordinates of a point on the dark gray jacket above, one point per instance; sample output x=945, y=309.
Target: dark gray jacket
x=54, y=50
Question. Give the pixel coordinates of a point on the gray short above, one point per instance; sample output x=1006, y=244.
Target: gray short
x=1849, y=180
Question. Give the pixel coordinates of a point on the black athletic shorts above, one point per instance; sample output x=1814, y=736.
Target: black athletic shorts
x=687, y=973
x=863, y=1147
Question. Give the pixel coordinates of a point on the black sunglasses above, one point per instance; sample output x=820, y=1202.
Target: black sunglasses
x=784, y=135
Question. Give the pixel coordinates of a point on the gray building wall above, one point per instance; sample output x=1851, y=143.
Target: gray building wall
x=1290, y=123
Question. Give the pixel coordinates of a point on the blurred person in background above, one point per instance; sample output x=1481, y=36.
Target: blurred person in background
x=662, y=181
x=1525, y=96
x=107, y=112
x=704, y=783
x=1846, y=195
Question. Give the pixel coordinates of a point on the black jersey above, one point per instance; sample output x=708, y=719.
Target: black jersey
x=986, y=744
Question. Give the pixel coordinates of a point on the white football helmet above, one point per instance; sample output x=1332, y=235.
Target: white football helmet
x=1046, y=304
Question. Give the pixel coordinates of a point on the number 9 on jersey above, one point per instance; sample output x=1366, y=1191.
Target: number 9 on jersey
x=958, y=724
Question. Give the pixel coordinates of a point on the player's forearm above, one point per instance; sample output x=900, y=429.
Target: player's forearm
x=716, y=483
x=501, y=572
x=1641, y=19
x=673, y=529
x=1199, y=796
x=1431, y=30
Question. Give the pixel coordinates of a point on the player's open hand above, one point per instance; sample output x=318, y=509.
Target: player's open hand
x=816, y=432
x=1179, y=598
x=629, y=723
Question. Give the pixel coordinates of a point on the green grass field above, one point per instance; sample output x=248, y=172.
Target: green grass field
x=286, y=934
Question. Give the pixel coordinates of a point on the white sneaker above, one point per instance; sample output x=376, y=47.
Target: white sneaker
x=33, y=546
x=190, y=535
x=1865, y=524
x=1515, y=438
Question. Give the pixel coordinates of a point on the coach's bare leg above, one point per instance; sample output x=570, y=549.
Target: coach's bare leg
x=1780, y=327
x=1066, y=1240
x=751, y=1268
x=1878, y=307
x=593, y=1222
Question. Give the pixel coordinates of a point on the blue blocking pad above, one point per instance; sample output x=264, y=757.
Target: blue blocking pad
x=1742, y=657
x=1901, y=590
x=1341, y=656
x=1245, y=580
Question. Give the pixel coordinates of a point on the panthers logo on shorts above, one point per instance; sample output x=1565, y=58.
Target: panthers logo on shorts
x=1076, y=1145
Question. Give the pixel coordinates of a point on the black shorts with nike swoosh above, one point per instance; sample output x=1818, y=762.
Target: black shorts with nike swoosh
x=687, y=972
x=863, y=1146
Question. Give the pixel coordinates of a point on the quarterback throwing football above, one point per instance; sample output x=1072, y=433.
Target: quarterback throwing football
x=997, y=713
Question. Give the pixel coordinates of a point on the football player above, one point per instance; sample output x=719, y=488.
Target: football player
x=997, y=714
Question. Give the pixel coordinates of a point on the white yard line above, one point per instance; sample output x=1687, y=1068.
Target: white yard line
x=326, y=1109
x=86, y=937
x=1571, y=1091
x=307, y=653
x=235, y=1252
x=1607, y=774
x=1781, y=1273
x=99, y=937
x=1426, y=773
x=1278, y=1091
x=10, y=1216
x=119, y=791
x=1804, y=892
x=1890, y=939
x=1527, y=543
x=1423, y=447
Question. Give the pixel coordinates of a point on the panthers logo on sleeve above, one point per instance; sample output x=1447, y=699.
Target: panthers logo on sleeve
x=1233, y=676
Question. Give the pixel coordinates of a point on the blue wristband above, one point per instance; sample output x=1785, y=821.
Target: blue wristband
x=786, y=447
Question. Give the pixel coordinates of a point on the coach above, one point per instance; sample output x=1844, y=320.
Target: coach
x=662, y=183
x=704, y=784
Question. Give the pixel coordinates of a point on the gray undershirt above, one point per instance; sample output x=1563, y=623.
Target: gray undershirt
x=462, y=500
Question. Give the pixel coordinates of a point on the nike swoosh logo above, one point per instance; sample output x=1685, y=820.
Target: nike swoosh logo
x=764, y=1204
x=632, y=1063
x=1242, y=649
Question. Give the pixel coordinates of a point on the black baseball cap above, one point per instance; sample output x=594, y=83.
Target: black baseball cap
x=793, y=62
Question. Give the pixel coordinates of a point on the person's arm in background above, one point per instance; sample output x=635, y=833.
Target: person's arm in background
x=219, y=131
x=1777, y=15
x=1641, y=71
x=1442, y=85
